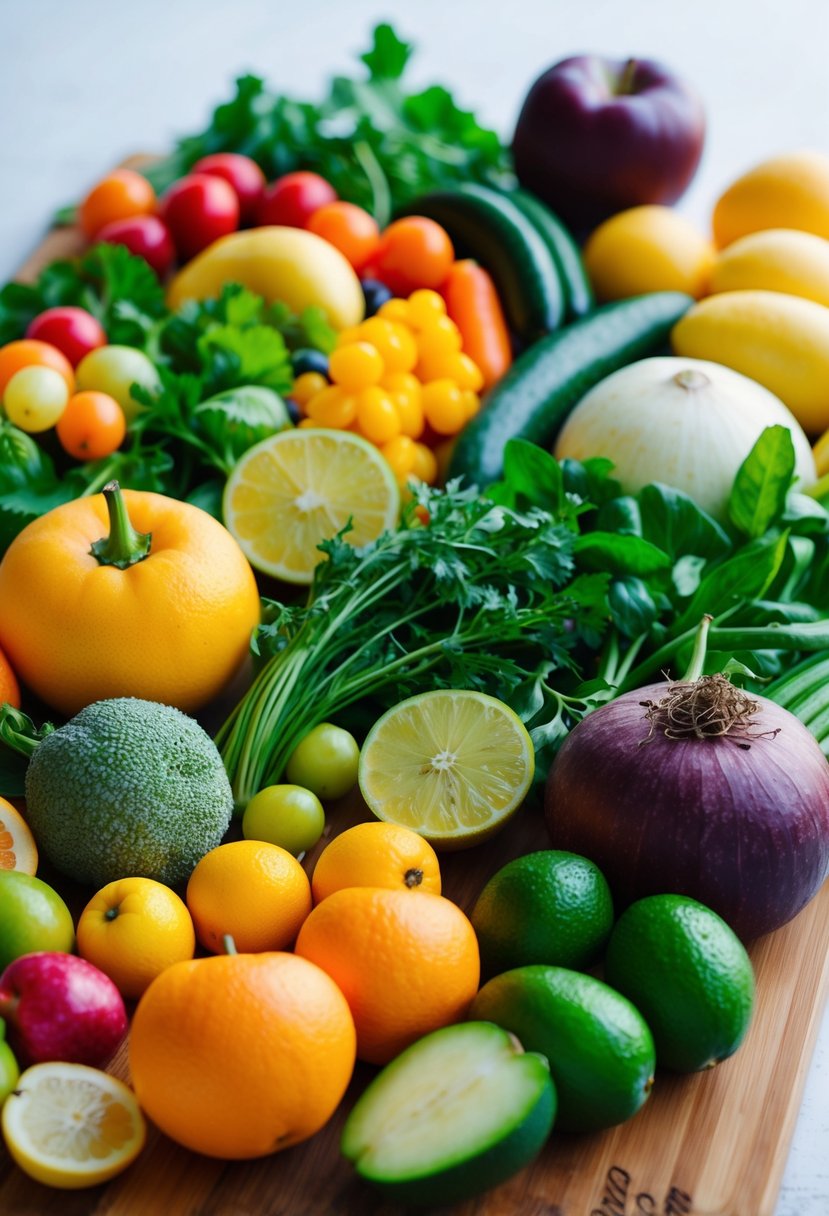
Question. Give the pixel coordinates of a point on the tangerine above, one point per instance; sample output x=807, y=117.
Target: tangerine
x=376, y=855
x=406, y=964
x=237, y=1056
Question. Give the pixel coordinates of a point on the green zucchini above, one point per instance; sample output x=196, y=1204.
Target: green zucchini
x=545, y=383
x=485, y=225
x=578, y=291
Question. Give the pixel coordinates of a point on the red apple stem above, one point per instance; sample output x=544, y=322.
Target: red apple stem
x=229, y=944
x=627, y=78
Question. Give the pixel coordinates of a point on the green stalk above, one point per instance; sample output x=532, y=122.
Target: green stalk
x=123, y=546
x=694, y=669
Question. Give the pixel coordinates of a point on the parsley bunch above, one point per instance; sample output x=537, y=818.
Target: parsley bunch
x=483, y=596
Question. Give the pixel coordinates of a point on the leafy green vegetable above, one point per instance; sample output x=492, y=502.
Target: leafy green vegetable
x=377, y=145
x=107, y=280
x=481, y=597
x=758, y=495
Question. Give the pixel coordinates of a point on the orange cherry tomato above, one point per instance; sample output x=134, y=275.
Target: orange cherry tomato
x=92, y=425
x=413, y=252
x=348, y=228
x=118, y=196
x=31, y=352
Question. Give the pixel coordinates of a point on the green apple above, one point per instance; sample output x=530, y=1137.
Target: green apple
x=458, y=1112
x=32, y=917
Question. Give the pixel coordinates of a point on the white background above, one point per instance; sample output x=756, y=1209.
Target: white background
x=84, y=83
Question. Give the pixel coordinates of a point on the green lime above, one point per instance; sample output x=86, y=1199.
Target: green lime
x=599, y=1047
x=287, y=815
x=32, y=917
x=688, y=973
x=547, y=907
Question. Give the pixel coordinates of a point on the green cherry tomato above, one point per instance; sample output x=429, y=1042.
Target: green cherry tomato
x=287, y=815
x=9, y=1071
x=325, y=761
x=114, y=370
x=35, y=398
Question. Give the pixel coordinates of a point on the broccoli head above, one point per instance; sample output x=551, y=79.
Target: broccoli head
x=127, y=788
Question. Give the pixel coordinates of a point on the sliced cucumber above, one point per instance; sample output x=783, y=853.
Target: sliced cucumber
x=545, y=383
x=456, y=1113
x=487, y=226
x=578, y=292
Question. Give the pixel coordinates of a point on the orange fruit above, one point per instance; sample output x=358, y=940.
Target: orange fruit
x=240, y=1055
x=18, y=850
x=649, y=248
x=174, y=626
x=31, y=352
x=9, y=687
x=376, y=855
x=256, y=892
x=406, y=964
x=133, y=929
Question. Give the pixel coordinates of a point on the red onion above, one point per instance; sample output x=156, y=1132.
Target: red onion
x=737, y=820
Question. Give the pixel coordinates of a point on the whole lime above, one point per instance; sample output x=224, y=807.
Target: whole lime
x=32, y=917
x=546, y=907
x=9, y=1070
x=287, y=815
x=599, y=1047
x=325, y=761
x=688, y=973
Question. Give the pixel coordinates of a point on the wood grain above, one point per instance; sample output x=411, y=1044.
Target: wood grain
x=713, y=1144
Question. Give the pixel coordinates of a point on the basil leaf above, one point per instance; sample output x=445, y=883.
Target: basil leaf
x=674, y=522
x=532, y=478
x=758, y=496
x=620, y=555
x=746, y=575
x=632, y=607
x=620, y=515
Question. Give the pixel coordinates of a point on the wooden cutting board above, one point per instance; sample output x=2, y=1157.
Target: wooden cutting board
x=712, y=1144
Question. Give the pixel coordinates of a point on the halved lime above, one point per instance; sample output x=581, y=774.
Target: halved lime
x=299, y=487
x=452, y=764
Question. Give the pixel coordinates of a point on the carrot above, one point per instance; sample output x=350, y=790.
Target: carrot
x=472, y=303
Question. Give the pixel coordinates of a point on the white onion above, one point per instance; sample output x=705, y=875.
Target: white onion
x=687, y=423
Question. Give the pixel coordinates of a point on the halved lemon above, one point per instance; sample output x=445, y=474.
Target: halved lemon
x=451, y=764
x=72, y=1126
x=300, y=487
x=18, y=850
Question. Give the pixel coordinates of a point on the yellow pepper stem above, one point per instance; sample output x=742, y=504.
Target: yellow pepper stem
x=123, y=546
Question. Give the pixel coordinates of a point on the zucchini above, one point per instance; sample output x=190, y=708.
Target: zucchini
x=544, y=384
x=485, y=225
x=578, y=291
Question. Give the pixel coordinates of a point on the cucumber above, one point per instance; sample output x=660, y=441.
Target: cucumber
x=578, y=291
x=545, y=383
x=487, y=226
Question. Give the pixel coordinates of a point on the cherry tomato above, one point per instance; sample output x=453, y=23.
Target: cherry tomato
x=119, y=195
x=35, y=398
x=325, y=761
x=31, y=352
x=348, y=228
x=198, y=209
x=144, y=235
x=114, y=370
x=91, y=426
x=287, y=815
x=73, y=331
x=293, y=199
x=413, y=252
x=240, y=172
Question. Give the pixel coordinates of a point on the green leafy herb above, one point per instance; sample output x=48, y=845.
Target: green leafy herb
x=378, y=145
x=758, y=496
x=481, y=597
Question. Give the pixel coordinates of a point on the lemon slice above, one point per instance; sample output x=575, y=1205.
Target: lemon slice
x=72, y=1126
x=452, y=765
x=299, y=487
x=18, y=850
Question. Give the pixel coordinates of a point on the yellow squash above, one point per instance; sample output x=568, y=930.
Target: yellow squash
x=287, y=264
x=777, y=259
x=781, y=341
x=789, y=191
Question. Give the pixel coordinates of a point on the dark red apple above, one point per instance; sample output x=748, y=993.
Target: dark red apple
x=596, y=136
x=60, y=1007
